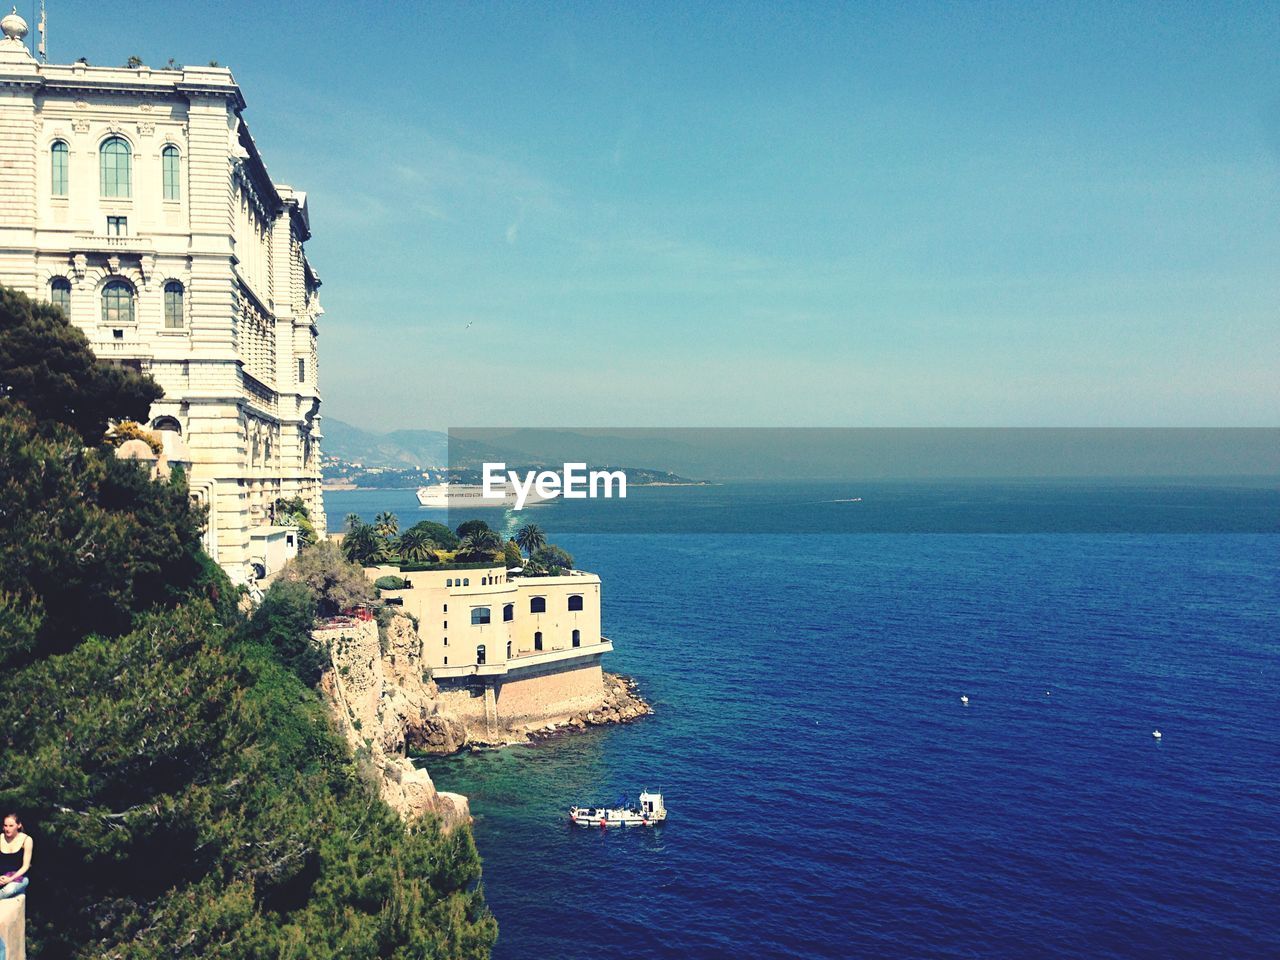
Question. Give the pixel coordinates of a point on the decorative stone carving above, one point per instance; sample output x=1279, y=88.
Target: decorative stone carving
x=146, y=129
x=79, y=264
x=81, y=125
x=82, y=105
x=145, y=107
x=113, y=263
x=147, y=267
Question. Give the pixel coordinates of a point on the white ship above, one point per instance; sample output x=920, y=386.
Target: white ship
x=650, y=813
x=455, y=496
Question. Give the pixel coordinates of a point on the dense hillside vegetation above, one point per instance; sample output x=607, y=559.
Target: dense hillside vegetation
x=185, y=790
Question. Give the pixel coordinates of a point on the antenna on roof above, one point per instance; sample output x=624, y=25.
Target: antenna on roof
x=42, y=25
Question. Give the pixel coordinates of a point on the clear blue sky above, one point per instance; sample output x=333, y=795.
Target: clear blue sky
x=765, y=214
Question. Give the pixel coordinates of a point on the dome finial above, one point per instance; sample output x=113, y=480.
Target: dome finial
x=14, y=27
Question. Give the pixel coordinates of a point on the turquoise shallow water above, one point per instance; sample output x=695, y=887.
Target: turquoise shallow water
x=831, y=797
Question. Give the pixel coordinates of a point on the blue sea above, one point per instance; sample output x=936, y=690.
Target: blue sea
x=831, y=796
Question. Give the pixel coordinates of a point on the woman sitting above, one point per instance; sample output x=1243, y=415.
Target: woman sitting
x=15, y=857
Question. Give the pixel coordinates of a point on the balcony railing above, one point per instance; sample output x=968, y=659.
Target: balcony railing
x=123, y=349
x=103, y=242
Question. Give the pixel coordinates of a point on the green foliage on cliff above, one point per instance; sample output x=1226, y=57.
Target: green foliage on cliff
x=185, y=789
x=47, y=366
x=282, y=623
x=335, y=582
x=85, y=539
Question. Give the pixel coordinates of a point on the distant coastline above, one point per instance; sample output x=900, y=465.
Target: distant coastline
x=350, y=485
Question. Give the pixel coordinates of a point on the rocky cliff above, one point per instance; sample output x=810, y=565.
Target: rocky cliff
x=382, y=697
x=387, y=704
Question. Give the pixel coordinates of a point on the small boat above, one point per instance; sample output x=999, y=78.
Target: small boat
x=649, y=813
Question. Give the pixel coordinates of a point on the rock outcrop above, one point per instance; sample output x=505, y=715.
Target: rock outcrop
x=622, y=704
x=387, y=706
x=382, y=697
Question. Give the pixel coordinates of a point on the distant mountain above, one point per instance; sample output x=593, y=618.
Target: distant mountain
x=399, y=448
x=524, y=447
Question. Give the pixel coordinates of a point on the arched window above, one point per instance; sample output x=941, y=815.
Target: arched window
x=59, y=158
x=169, y=166
x=577, y=638
x=173, y=305
x=167, y=423
x=575, y=602
x=115, y=162
x=480, y=655
x=537, y=640
x=537, y=604
x=466, y=581
x=479, y=615
x=449, y=582
x=508, y=649
x=117, y=303
x=508, y=612
x=60, y=294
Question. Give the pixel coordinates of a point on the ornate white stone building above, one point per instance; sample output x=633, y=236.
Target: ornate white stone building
x=136, y=200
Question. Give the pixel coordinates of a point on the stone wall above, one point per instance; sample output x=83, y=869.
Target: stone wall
x=13, y=927
x=502, y=706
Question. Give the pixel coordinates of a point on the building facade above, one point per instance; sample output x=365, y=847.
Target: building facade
x=136, y=200
x=504, y=650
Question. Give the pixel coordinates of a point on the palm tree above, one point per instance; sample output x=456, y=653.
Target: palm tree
x=415, y=545
x=531, y=538
x=385, y=524
x=361, y=544
x=488, y=540
x=482, y=543
x=353, y=521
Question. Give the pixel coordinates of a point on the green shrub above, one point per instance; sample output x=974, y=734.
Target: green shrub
x=391, y=582
x=336, y=583
x=284, y=622
x=437, y=533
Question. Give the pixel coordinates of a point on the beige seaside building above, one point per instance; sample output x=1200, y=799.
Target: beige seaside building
x=505, y=650
x=136, y=200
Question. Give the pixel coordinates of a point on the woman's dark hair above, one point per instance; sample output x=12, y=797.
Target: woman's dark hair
x=16, y=819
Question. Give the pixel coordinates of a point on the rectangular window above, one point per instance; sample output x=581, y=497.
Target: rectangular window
x=169, y=162
x=172, y=306
x=479, y=615
x=59, y=169
x=117, y=226
x=302, y=370
x=60, y=296
x=115, y=159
